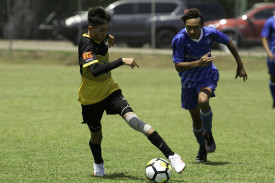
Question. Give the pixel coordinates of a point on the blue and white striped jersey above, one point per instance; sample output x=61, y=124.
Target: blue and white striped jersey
x=187, y=50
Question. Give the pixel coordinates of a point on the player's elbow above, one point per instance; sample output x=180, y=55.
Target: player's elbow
x=179, y=68
x=95, y=73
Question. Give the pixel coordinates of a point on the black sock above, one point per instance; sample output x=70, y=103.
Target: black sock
x=156, y=139
x=96, y=150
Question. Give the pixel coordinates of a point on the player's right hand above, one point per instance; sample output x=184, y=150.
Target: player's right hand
x=206, y=60
x=130, y=61
x=271, y=57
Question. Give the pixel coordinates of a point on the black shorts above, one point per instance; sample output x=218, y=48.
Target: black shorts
x=113, y=104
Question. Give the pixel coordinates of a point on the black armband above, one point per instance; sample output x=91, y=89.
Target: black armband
x=98, y=69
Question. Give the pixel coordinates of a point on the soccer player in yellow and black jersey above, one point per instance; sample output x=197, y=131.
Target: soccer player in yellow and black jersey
x=99, y=92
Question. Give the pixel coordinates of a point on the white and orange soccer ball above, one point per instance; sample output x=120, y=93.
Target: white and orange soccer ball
x=158, y=170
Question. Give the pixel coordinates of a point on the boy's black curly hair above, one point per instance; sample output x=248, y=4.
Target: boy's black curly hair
x=98, y=16
x=192, y=13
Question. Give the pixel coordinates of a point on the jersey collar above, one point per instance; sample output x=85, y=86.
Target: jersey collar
x=86, y=35
x=198, y=40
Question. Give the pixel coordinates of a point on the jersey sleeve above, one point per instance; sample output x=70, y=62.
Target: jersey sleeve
x=178, y=50
x=98, y=69
x=220, y=37
x=266, y=29
x=88, y=56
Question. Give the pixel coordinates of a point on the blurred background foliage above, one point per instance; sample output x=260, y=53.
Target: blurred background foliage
x=26, y=15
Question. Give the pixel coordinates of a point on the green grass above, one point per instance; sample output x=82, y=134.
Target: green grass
x=42, y=139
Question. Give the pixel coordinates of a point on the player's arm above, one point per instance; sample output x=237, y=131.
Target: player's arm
x=203, y=61
x=111, y=40
x=240, y=69
x=98, y=68
x=266, y=47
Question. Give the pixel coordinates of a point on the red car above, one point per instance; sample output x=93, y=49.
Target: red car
x=246, y=29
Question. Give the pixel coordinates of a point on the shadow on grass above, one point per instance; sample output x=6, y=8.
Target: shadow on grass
x=176, y=180
x=212, y=163
x=120, y=176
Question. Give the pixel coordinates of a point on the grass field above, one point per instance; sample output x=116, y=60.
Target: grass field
x=42, y=139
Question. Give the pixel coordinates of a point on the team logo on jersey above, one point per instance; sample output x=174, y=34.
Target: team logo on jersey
x=87, y=55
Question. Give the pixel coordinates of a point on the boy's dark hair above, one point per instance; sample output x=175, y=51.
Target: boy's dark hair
x=192, y=13
x=98, y=16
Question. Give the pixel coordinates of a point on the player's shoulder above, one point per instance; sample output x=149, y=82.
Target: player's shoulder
x=271, y=20
x=86, y=43
x=87, y=40
x=210, y=29
x=181, y=35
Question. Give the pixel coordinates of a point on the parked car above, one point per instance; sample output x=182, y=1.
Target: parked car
x=245, y=29
x=132, y=21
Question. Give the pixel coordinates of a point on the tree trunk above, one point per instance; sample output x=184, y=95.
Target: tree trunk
x=24, y=19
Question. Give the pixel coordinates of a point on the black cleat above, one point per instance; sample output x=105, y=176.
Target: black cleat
x=209, y=141
x=202, y=155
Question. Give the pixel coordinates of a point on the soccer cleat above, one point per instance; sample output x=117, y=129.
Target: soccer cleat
x=99, y=170
x=177, y=163
x=209, y=142
x=202, y=155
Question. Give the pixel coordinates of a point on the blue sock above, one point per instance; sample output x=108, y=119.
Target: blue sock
x=206, y=118
x=272, y=89
x=199, y=136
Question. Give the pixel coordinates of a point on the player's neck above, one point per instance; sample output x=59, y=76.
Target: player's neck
x=199, y=38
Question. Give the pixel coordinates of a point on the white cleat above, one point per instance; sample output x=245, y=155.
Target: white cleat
x=177, y=163
x=99, y=170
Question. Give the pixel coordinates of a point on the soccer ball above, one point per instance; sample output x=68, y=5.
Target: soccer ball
x=158, y=170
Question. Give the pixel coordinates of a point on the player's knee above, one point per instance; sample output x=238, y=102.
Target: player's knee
x=203, y=100
x=96, y=137
x=137, y=124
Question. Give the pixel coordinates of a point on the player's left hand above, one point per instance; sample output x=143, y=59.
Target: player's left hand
x=241, y=73
x=130, y=61
x=111, y=41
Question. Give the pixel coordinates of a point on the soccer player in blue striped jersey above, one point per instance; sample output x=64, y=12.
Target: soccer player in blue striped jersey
x=199, y=76
x=268, y=40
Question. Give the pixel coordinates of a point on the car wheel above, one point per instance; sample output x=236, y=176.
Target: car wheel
x=164, y=38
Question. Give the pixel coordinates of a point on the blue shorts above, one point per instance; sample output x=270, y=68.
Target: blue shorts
x=271, y=66
x=189, y=96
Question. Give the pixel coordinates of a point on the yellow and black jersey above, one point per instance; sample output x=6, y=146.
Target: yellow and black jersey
x=94, y=89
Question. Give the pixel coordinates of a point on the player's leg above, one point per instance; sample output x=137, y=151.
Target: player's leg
x=205, y=109
x=118, y=105
x=153, y=136
x=92, y=115
x=272, y=88
x=197, y=125
x=197, y=130
x=206, y=117
x=189, y=101
x=271, y=71
x=95, y=146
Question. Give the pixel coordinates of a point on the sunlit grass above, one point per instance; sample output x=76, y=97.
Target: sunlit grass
x=42, y=139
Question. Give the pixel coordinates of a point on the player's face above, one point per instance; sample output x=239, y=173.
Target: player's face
x=99, y=32
x=193, y=27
